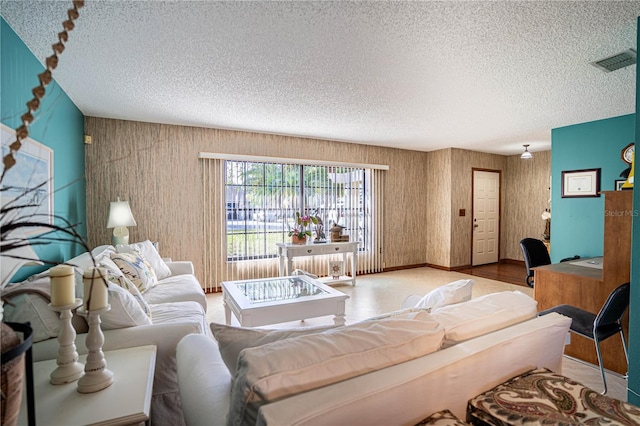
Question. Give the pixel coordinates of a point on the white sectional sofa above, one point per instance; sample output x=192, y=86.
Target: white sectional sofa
x=482, y=345
x=171, y=309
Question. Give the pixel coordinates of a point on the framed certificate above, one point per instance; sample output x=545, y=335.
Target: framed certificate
x=581, y=183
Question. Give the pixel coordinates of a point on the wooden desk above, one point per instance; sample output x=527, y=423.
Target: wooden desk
x=569, y=284
x=588, y=288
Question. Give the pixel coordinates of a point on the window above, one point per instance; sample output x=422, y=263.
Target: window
x=249, y=202
x=261, y=200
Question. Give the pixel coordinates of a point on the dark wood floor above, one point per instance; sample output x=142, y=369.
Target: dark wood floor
x=509, y=272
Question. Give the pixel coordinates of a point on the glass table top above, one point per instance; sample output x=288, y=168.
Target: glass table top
x=273, y=289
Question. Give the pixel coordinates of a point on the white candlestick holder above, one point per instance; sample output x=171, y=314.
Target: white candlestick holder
x=96, y=375
x=69, y=369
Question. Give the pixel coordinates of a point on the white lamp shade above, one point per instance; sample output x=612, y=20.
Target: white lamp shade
x=120, y=215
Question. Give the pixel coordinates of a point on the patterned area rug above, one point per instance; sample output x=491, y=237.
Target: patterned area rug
x=541, y=397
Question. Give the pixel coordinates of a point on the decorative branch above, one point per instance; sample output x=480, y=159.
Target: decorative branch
x=10, y=218
x=45, y=78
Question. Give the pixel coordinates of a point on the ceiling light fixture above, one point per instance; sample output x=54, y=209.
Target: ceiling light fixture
x=526, y=154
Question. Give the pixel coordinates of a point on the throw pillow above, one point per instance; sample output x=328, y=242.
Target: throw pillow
x=448, y=294
x=291, y=366
x=232, y=340
x=84, y=261
x=135, y=267
x=115, y=275
x=33, y=308
x=149, y=251
x=30, y=303
x=125, y=310
x=483, y=315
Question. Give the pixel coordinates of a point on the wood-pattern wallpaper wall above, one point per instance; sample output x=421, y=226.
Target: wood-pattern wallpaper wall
x=156, y=168
x=463, y=162
x=527, y=187
x=524, y=194
x=439, y=189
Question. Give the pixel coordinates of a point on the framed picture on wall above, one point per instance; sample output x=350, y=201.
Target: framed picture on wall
x=29, y=183
x=581, y=183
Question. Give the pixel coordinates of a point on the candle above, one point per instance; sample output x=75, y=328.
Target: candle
x=63, y=287
x=95, y=289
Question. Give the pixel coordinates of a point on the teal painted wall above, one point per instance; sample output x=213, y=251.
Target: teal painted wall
x=577, y=224
x=59, y=124
x=634, y=313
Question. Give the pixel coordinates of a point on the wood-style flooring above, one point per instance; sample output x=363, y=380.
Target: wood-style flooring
x=511, y=272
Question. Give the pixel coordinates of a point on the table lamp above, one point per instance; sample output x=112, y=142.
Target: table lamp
x=120, y=217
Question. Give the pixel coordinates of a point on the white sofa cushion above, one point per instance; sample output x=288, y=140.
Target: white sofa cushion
x=125, y=310
x=149, y=251
x=187, y=312
x=177, y=288
x=483, y=315
x=291, y=366
x=448, y=294
x=232, y=340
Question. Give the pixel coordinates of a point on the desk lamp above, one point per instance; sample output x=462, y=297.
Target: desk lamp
x=120, y=217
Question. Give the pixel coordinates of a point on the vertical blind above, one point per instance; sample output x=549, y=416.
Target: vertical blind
x=249, y=205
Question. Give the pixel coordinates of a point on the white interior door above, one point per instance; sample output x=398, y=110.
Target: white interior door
x=486, y=217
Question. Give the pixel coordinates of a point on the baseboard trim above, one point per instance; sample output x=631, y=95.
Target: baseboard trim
x=440, y=267
x=399, y=268
x=462, y=267
x=512, y=261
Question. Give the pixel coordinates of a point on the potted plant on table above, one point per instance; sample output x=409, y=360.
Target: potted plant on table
x=299, y=232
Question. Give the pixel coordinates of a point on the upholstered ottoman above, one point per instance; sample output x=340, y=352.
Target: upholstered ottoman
x=541, y=397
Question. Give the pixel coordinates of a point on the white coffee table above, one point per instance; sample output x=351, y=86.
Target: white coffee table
x=280, y=299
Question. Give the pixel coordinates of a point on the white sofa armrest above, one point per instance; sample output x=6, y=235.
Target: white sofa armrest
x=204, y=381
x=181, y=267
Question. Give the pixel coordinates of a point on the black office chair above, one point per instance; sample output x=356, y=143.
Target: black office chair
x=535, y=254
x=605, y=324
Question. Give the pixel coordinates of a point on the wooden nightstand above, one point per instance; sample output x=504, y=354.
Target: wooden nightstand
x=127, y=401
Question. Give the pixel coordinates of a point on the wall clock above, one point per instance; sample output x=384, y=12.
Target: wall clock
x=627, y=153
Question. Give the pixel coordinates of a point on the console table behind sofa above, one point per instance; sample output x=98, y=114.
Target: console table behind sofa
x=289, y=251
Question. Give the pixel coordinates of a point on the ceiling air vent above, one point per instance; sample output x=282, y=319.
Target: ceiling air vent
x=617, y=61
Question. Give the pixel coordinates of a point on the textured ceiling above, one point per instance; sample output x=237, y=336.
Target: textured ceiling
x=486, y=76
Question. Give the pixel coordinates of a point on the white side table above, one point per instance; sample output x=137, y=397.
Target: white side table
x=127, y=401
x=287, y=252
